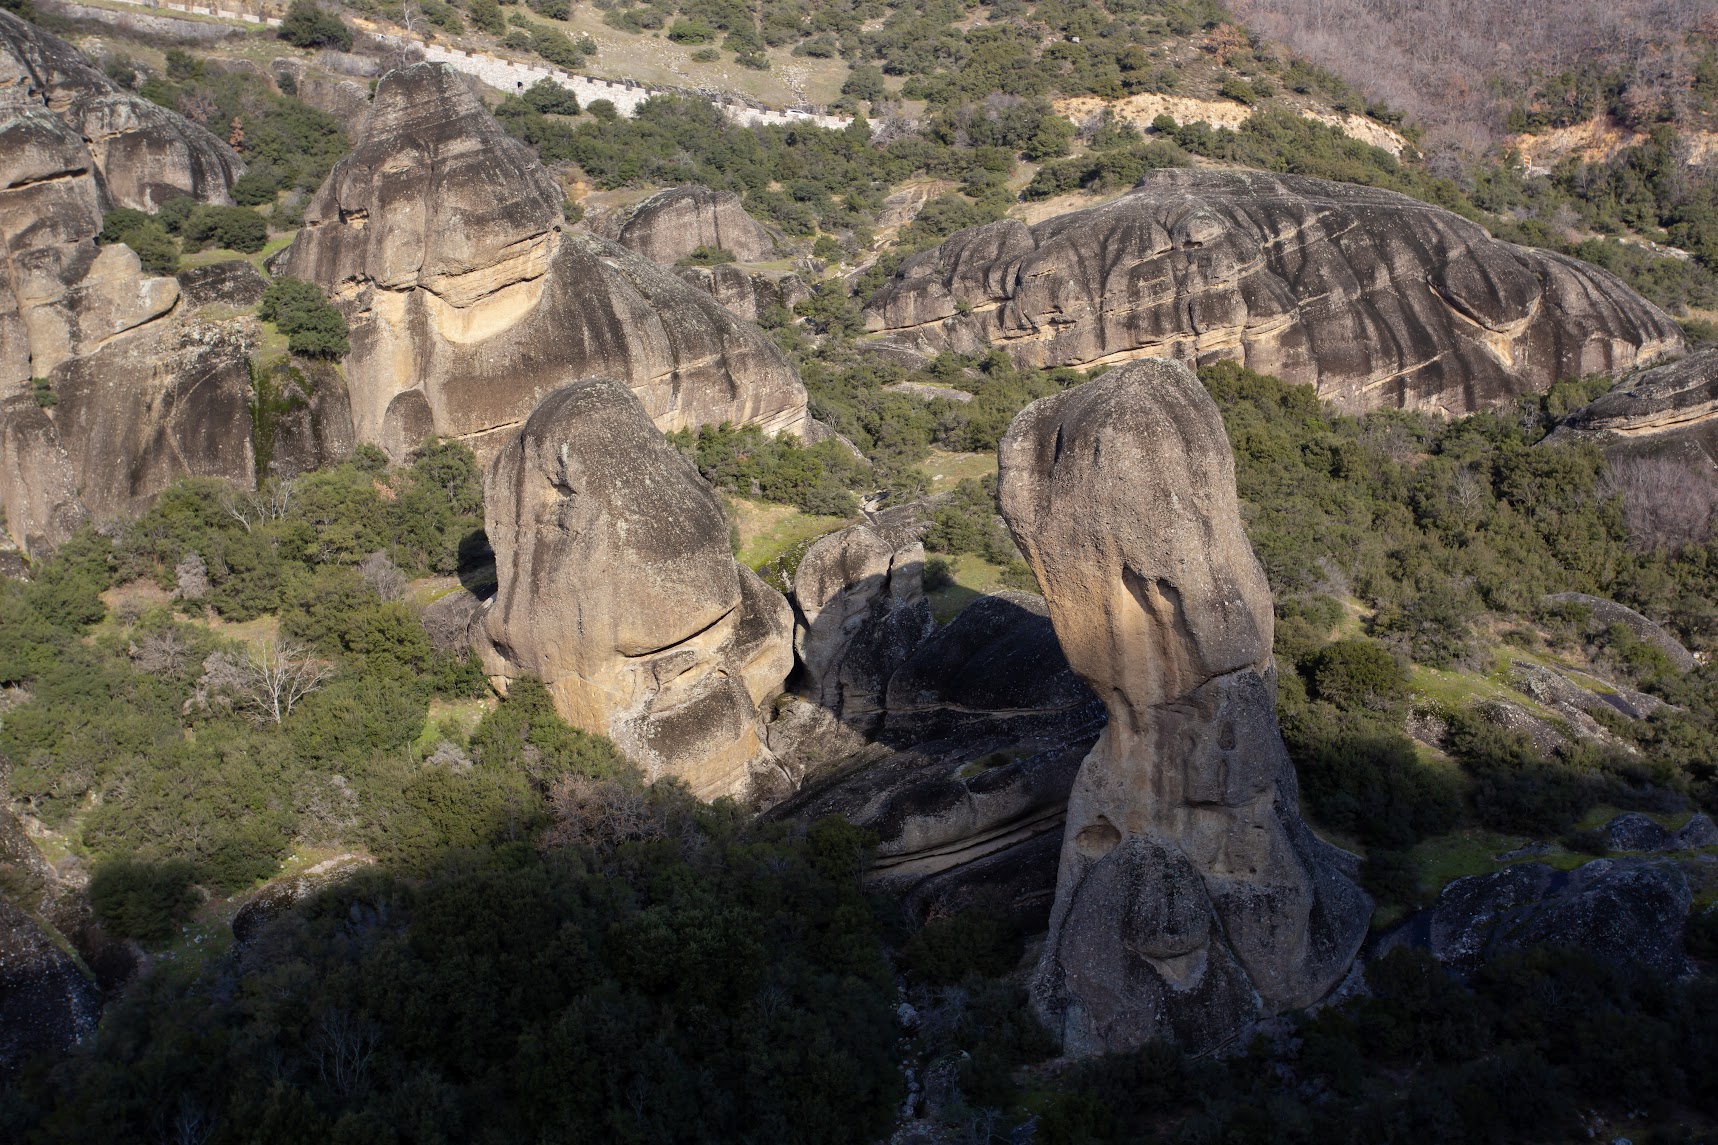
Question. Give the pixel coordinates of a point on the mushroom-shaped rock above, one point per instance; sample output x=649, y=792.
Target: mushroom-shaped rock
x=462, y=329
x=671, y=224
x=617, y=588
x=1191, y=898
x=1374, y=298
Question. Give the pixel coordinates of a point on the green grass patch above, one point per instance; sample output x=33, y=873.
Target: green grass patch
x=946, y=470
x=767, y=531
x=973, y=577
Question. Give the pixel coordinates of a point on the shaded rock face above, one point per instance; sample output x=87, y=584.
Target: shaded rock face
x=983, y=726
x=443, y=241
x=1669, y=409
x=139, y=413
x=1190, y=899
x=234, y=283
x=861, y=612
x=142, y=153
x=1628, y=912
x=671, y=224
x=46, y=1003
x=618, y=590
x=1374, y=298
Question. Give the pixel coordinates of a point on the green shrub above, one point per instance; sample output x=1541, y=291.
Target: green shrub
x=1357, y=674
x=314, y=328
x=231, y=228
x=309, y=25
x=546, y=97
x=142, y=900
x=974, y=942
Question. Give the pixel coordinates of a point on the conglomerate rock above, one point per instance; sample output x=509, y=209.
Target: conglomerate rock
x=1670, y=409
x=1374, y=298
x=671, y=224
x=443, y=240
x=86, y=320
x=1191, y=899
x=617, y=588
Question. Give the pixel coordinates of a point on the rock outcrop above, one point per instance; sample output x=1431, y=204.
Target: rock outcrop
x=142, y=154
x=1191, y=899
x=1628, y=912
x=129, y=380
x=1374, y=298
x=47, y=1003
x=1671, y=409
x=1610, y=613
x=861, y=612
x=618, y=590
x=444, y=242
x=671, y=224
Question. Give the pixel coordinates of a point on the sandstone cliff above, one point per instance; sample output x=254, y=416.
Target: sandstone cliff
x=1190, y=899
x=1374, y=298
x=617, y=588
x=671, y=224
x=142, y=153
x=444, y=242
x=141, y=396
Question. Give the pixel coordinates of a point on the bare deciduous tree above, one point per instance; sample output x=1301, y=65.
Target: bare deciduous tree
x=344, y=1046
x=191, y=575
x=270, y=679
x=600, y=814
x=161, y=653
x=383, y=576
x=252, y=507
x=1666, y=503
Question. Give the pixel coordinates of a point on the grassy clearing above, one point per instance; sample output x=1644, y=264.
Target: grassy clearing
x=767, y=531
x=1474, y=851
x=947, y=469
x=973, y=577
x=275, y=244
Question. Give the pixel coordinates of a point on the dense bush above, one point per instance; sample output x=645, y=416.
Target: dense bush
x=814, y=478
x=145, y=901
x=313, y=327
x=702, y=983
x=309, y=25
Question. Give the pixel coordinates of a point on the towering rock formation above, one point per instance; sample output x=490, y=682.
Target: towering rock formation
x=1374, y=298
x=618, y=590
x=443, y=240
x=671, y=224
x=1190, y=899
x=141, y=395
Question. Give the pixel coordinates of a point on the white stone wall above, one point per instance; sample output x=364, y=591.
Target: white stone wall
x=509, y=75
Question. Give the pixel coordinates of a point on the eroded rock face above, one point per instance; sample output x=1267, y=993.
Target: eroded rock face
x=671, y=224
x=1671, y=409
x=85, y=317
x=143, y=153
x=1374, y=298
x=618, y=590
x=862, y=612
x=1191, y=898
x=443, y=240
